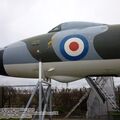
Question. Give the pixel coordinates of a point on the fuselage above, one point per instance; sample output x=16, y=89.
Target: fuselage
x=68, y=52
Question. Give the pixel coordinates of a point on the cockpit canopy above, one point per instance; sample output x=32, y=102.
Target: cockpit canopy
x=73, y=25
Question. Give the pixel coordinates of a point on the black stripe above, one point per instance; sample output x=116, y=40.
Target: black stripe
x=2, y=70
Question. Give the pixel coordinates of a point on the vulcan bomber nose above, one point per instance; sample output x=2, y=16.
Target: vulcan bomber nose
x=2, y=70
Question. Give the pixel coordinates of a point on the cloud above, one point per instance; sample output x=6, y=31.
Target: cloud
x=20, y=19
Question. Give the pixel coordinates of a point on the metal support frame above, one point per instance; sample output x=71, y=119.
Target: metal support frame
x=76, y=105
x=101, y=92
x=45, y=98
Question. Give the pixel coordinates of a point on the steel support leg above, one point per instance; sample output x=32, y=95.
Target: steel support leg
x=45, y=99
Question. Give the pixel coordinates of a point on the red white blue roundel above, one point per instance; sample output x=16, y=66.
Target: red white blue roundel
x=74, y=47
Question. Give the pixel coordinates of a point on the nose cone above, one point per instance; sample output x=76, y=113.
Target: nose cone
x=2, y=70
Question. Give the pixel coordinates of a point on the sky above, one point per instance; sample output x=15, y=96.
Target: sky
x=20, y=19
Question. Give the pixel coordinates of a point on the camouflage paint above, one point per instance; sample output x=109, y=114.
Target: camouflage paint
x=41, y=49
x=89, y=33
x=21, y=59
x=107, y=44
x=2, y=69
x=17, y=53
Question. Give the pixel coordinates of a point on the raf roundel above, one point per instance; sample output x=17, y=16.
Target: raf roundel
x=74, y=47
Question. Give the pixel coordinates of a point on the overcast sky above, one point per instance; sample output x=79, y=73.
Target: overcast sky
x=21, y=19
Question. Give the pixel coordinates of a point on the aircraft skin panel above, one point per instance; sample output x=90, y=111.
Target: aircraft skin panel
x=68, y=52
x=26, y=70
x=107, y=44
x=41, y=48
x=46, y=48
x=60, y=43
x=66, y=71
x=17, y=53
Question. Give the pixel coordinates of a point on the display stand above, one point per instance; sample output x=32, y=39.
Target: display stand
x=45, y=96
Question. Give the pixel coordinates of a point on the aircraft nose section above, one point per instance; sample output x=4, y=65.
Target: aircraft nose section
x=2, y=70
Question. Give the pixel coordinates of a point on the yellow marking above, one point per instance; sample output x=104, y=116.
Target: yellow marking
x=50, y=43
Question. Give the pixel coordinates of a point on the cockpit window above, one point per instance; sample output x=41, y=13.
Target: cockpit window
x=56, y=29
x=73, y=25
